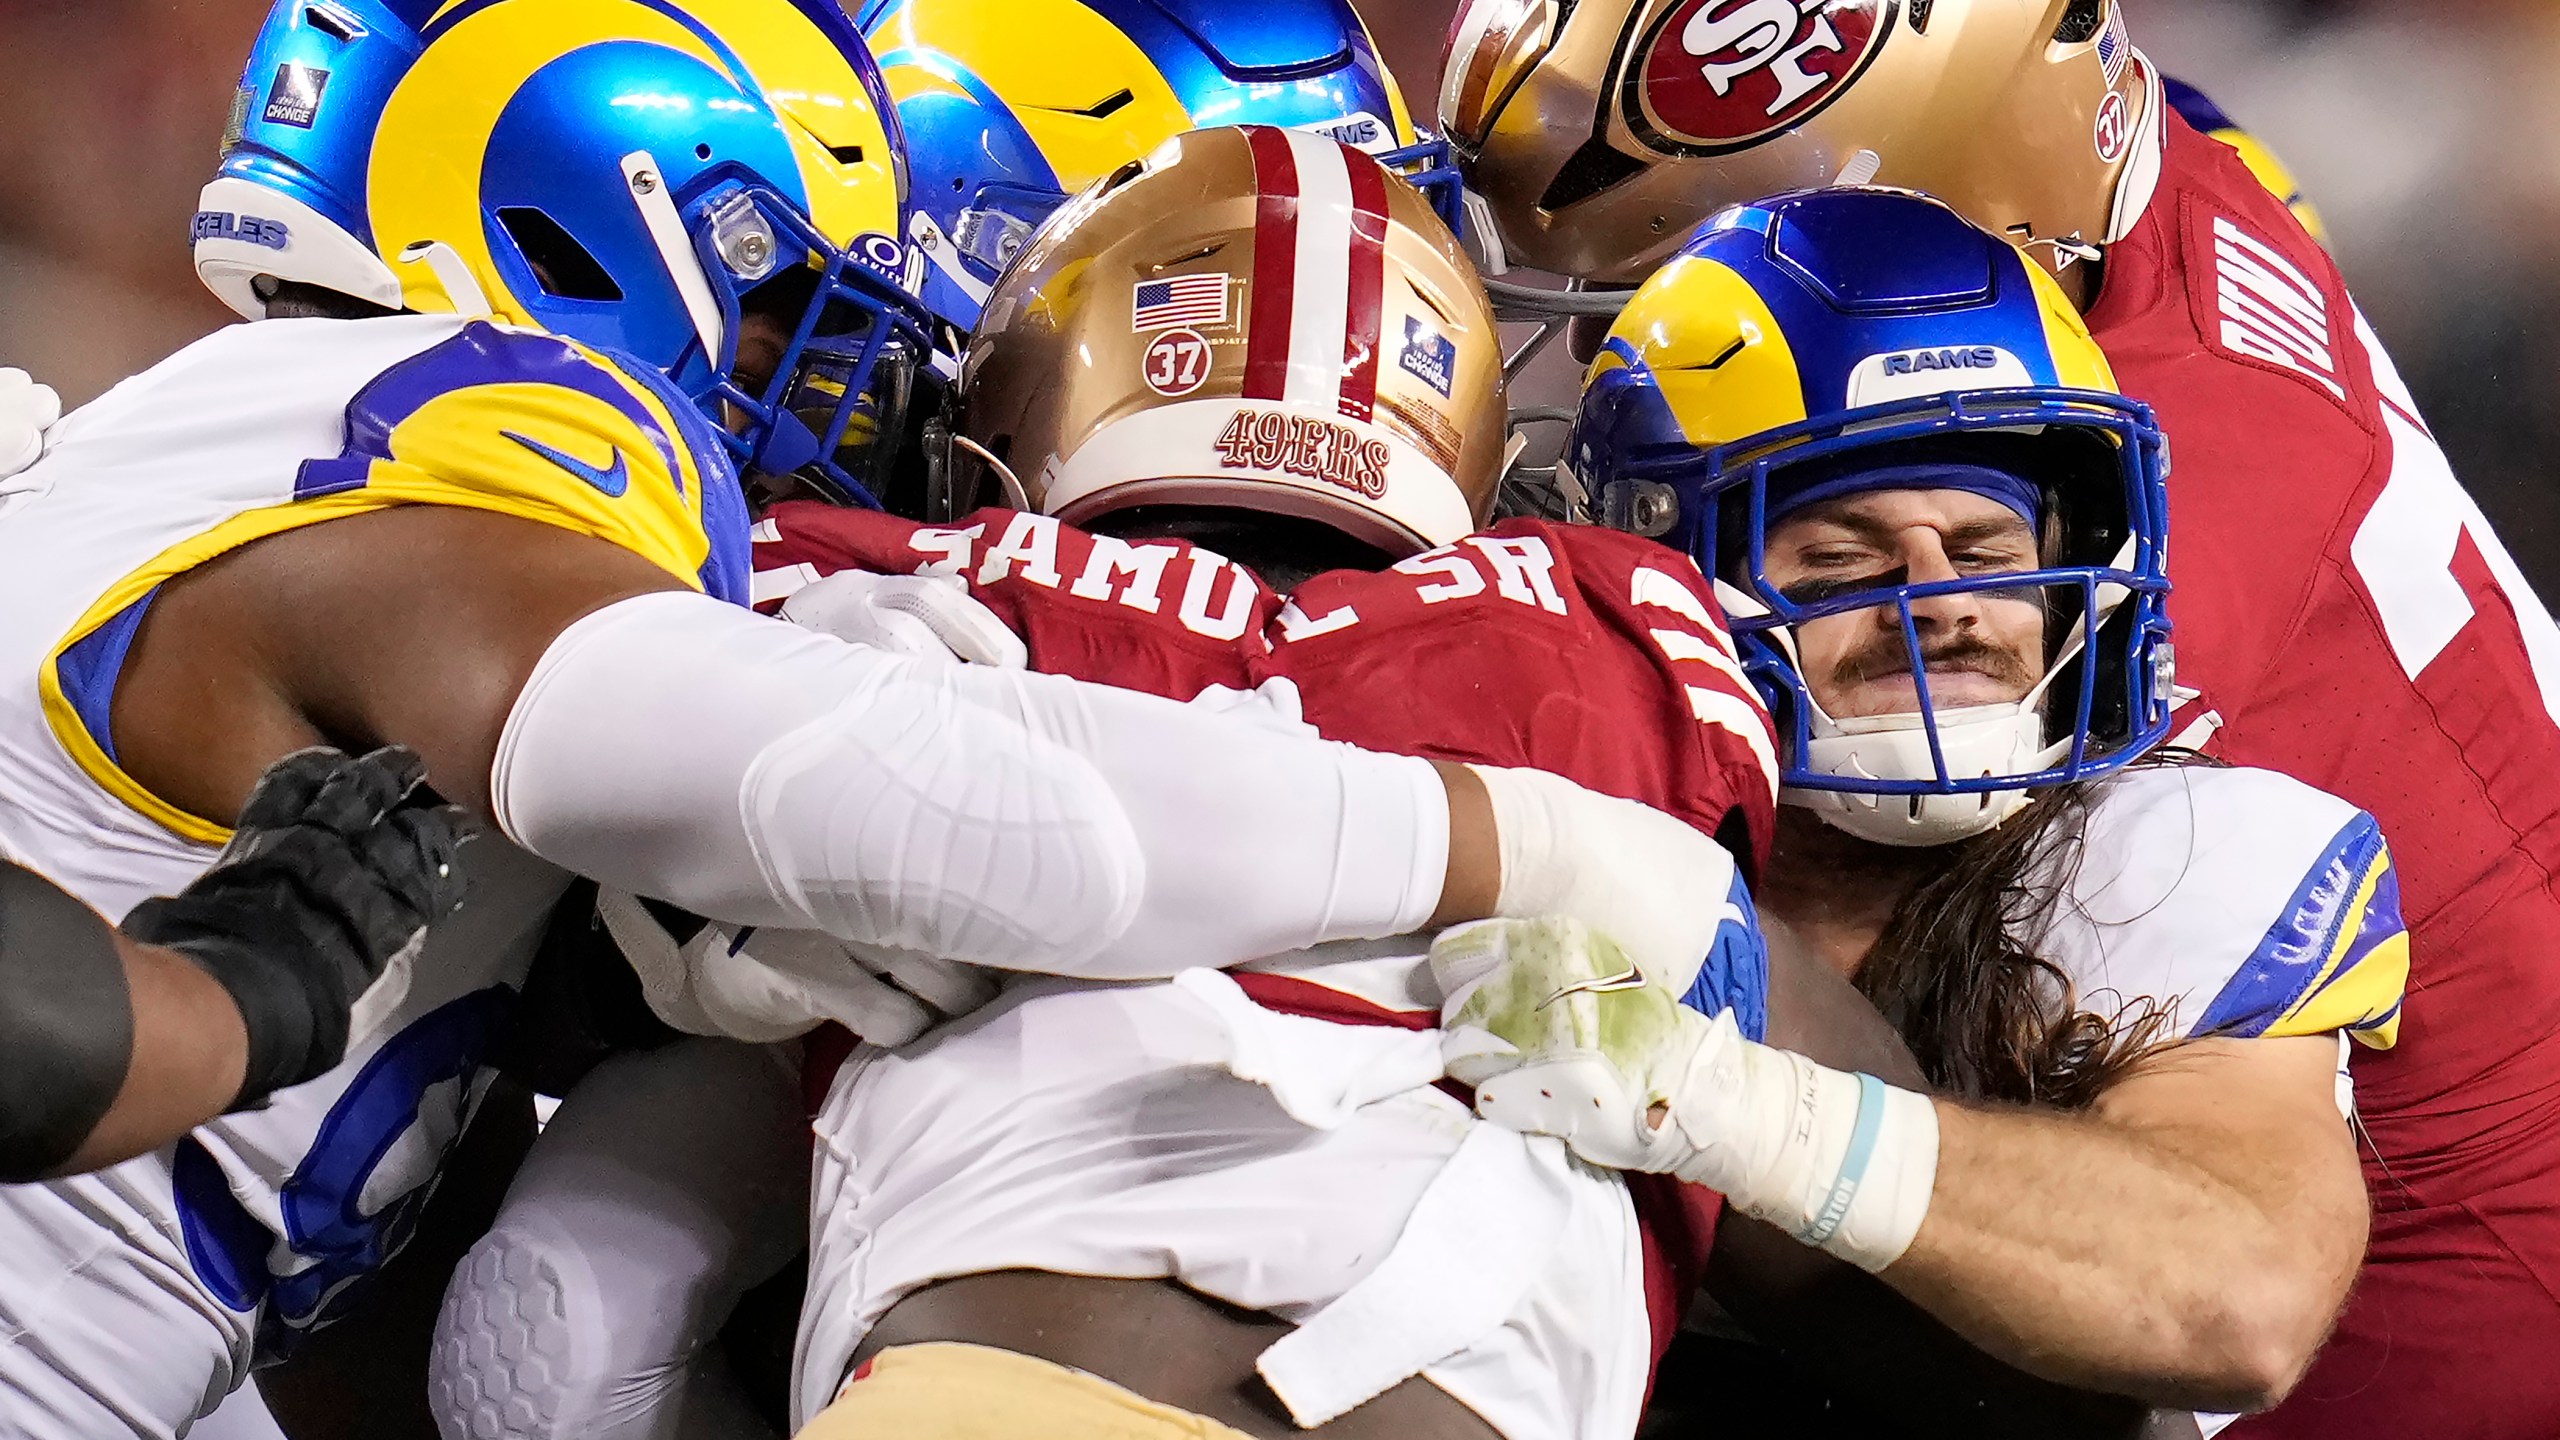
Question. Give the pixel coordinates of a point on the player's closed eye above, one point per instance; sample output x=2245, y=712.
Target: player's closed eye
x=1816, y=589
x=1992, y=559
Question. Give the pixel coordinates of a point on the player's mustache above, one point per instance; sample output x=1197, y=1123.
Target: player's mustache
x=1963, y=652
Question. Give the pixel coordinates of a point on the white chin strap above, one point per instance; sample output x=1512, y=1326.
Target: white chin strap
x=1976, y=740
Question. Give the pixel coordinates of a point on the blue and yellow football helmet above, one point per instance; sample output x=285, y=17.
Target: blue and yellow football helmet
x=1831, y=341
x=1010, y=106
x=637, y=175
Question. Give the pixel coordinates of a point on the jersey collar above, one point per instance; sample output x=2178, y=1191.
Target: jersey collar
x=2140, y=178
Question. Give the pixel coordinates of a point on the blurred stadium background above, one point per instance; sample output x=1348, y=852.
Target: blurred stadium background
x=2428, y=132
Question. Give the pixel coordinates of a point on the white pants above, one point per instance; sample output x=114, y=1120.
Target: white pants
x=666, y=1185
x=105, y=1333
x=1092, y=1128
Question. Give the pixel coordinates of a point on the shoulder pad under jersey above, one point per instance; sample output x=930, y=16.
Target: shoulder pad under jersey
x=526, y=423
x=2244, y=902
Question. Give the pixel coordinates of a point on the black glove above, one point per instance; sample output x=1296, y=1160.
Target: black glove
x=336, y=866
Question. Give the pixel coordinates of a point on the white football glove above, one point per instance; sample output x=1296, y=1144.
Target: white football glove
x=1560, y=1034
x=1274, y=705
x=27, y=410
x=932, y=616
x=774, y=984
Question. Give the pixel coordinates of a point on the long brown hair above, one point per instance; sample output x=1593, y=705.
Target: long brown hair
x=1987, y=1018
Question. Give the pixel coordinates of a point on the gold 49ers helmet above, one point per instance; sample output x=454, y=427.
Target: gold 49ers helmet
x=1250, y=318
x=1602, y=132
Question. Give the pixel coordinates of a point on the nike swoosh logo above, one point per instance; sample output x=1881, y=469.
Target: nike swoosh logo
x=1628, y=979
x=611, y=479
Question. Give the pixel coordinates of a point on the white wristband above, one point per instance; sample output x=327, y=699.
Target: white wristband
x=1627, y=870
x=1841, y=1161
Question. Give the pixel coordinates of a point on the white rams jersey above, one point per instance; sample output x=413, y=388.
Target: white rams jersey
x=258, y=1220
x=2245, y=903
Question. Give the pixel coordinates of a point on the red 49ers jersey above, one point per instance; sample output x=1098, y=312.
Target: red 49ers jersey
x=1582, y=651
x=2351, y=621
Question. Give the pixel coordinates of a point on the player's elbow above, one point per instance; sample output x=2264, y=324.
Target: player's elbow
x=2253, y=1369
x=2259, y=1334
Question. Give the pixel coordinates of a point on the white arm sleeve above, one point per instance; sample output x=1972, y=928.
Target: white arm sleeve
x=759, y=773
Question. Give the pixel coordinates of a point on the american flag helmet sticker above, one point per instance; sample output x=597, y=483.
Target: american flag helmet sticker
x=2114, y=45
x=1179, y=300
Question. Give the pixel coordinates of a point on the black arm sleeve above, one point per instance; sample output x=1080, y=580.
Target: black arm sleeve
x=66, y=1024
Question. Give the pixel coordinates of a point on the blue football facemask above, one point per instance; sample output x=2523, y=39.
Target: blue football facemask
x=1938, y=773
x=831, y=409
x=632, y=195
x=1428, y=165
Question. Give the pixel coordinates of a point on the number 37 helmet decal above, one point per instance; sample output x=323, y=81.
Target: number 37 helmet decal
x=1249, y=318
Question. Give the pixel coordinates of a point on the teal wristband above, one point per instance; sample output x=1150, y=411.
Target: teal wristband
x=1853, y=1165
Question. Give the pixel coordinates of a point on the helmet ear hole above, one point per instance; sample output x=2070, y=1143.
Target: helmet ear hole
x=1128, y=171
x=565, y=267
x=1593, y=168
x=1918, y=10
x=2081, y=20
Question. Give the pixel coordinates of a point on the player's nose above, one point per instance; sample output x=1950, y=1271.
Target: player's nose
x=1923, y=554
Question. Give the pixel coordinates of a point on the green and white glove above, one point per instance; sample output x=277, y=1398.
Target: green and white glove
x=1561, y=1034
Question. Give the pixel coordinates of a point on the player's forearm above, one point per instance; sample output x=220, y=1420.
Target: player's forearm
x=2098, y=1256
x=2184, y=1243
x=762, y=774
x=114, y=1047
x=190, y=1051
x=1888, y=1358
x=1846, y=1328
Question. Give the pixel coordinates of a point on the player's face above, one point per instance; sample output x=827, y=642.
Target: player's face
x=762, y=338
x=1980, y=648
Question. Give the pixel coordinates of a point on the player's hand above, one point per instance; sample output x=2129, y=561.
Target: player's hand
x=931, y=615
x=764, y=985
x=1560, y=1034
x=1274, y=705
x=335, y=869
x=27, y=410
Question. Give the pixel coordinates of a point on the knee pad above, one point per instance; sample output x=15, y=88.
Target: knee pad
x=505, y=1361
